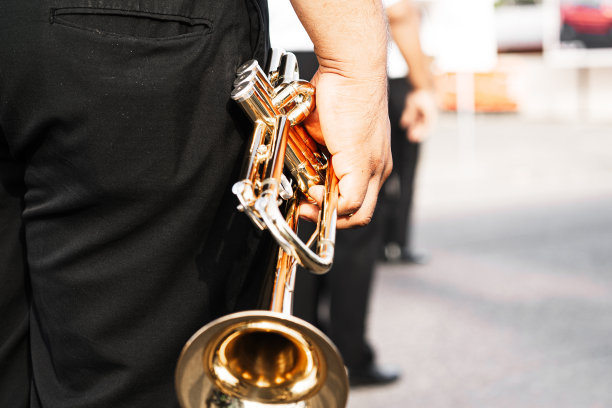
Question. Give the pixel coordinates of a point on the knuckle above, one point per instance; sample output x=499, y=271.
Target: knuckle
x=388, y=168
x=362, y=221
x=353, y=206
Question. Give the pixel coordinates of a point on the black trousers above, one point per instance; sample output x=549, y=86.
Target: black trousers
x=118, y=232
x=396, y=199
x=338, y=302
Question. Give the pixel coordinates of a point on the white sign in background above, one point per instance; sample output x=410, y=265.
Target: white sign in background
x=460, y=34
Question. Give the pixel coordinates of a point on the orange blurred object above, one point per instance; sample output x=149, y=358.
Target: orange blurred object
x=490, y=92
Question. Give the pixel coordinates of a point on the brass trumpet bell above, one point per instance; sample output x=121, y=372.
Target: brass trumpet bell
x=259, y=358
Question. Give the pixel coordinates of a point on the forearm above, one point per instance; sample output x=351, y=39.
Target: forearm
x=404, y=23
x=349, y=36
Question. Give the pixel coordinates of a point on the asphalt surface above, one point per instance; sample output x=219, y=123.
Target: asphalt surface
x=514, y=308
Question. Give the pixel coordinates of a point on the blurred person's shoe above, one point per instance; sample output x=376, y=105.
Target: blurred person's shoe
x=412, y=257
x=393, y=253
x=372, y=375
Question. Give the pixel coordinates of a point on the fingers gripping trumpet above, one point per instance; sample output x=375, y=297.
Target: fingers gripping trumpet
x=268, y=357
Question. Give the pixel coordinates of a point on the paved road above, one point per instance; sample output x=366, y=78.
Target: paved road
x=515, y=307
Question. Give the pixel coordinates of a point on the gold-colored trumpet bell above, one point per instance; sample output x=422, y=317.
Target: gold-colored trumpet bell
x=260, y=358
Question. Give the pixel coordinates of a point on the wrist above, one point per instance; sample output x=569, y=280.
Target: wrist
x=421, y=82
x=355, y=67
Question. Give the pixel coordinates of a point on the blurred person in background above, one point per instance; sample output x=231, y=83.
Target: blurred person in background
x=338, y=302
x=412, y=112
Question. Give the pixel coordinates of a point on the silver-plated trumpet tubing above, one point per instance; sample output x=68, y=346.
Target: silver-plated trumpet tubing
x=284, y=97
x=273, y=64
x=256, y=102
x=300, y=90
x=256, y=157
x=256, y=105
x=277, y=150
x=329, y=213
x=301, y=160
x=320, y=262
x=282, y=293
x=254, y=165
x=267, y=208
x=253, y=94
x=288, y=69
x=244, y=190
x=274, y=59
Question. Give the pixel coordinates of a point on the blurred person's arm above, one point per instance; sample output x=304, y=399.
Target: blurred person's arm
x=420, y=107
x=351, y=119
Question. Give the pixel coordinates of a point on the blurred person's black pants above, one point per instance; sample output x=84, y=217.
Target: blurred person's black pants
x=118, y=232
x=396, y=198
x=338, y=302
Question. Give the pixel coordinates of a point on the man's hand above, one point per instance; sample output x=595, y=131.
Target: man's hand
x=419, y=114
x=351, y=120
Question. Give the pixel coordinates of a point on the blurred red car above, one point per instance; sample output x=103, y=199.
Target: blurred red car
x=589, y=21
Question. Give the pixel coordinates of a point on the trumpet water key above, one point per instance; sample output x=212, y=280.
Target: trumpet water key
x=263, y=358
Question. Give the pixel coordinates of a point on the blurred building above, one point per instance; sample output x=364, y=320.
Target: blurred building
x=539, y=71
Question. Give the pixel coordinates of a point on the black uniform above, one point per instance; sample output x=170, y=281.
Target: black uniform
x=118, y=232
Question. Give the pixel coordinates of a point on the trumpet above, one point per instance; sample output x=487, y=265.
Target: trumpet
x=269, y=357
